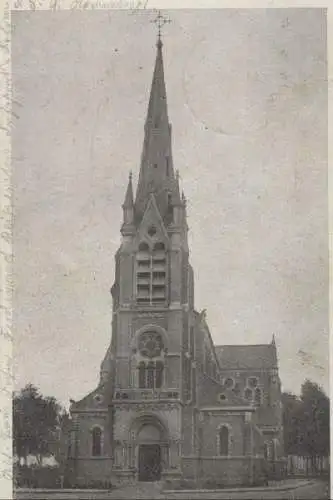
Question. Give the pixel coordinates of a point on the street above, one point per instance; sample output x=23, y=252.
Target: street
x=312, y=490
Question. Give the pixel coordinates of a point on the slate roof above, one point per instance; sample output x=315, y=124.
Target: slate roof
x=258, y=356
x=90, y=401
x=210, y=389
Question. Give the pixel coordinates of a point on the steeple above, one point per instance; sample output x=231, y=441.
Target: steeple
x=156, y=171
x=128, y=202
x=128, y=205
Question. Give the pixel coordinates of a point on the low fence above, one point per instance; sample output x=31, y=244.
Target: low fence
x=36, y=477
x=308, y=466
x=50, y=478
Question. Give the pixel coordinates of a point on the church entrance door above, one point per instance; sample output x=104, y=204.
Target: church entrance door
x=149, y=462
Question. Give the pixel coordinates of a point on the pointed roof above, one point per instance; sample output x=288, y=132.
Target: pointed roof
x=157, y=108
x=156, y=171
x=257, y=356
x=129, y=200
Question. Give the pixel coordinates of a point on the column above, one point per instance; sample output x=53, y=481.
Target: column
x=174, y=453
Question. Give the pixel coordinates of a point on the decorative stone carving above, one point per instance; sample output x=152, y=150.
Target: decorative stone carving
x=150, y=315
x=147, y=406
x=150, y=344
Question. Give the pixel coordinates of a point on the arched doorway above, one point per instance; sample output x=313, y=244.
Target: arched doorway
x=149, y=453
x=151, y=446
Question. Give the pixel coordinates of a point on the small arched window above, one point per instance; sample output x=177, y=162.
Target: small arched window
x=248, y=394
x=142, y=375
x=96, y=442
x=143, y=247
x=257, y=396
x=224, y=441
x=159, y=374
x=229, y=383
x=150, y=375
x=252, y=382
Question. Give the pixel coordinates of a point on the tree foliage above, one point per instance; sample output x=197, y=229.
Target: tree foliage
x=36, y=424
x=306, y=421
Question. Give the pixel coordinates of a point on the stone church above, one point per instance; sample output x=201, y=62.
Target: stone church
x=170, y=404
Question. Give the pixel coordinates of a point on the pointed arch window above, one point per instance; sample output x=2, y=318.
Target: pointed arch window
x=142, y=375
x=96, y=438
x=150, y=347
x=224, y=436
x=159, y=374
x=150, y=375
x=151, y=274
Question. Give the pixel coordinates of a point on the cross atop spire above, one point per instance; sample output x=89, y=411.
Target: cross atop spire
x=160, y=21
x=157, y=174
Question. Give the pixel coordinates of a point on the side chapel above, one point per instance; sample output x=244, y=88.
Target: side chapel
x=170, y=404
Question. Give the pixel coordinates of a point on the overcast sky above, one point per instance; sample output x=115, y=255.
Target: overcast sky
x=247, y=98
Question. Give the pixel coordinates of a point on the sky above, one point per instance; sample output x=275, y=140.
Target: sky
x=247, y=99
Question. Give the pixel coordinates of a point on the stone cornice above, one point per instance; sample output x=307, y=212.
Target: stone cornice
x=147, y=405
x=228, y=408
x=90, y=410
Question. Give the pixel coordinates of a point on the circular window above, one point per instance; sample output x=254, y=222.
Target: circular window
x=222, y=397
x=229, y=383
x=98, y=398
x=150, y=344
x=152, y=231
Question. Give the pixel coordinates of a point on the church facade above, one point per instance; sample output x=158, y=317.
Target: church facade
x=170, y=404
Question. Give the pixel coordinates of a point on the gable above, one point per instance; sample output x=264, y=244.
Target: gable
x=96, y=400
x=152, y=226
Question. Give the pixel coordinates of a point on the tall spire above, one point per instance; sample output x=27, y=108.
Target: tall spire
x=156, y=171
x=128, y=206
x=129, y=202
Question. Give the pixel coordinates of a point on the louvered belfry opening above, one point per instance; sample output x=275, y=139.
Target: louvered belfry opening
x=151, y=283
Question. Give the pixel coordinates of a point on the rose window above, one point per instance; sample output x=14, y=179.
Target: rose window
x=150, y=344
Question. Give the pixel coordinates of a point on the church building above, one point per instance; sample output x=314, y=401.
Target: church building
x=170, y=404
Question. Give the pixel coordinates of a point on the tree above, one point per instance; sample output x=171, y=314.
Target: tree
x=292, y=412
x=35, y=423
x=306, y=422
x=316, y=420
x=60, y=448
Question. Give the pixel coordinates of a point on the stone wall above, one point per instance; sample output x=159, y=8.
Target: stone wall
x=86, y=422
x=210, y=424
x=223, y=471
x=85, y=472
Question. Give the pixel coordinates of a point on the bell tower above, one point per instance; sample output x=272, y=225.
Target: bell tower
x=152, y=296
x=153, y=282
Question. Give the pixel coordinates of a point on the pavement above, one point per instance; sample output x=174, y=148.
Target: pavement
x=290, y=490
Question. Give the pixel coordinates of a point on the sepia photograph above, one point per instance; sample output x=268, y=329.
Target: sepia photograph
x=171, y=262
